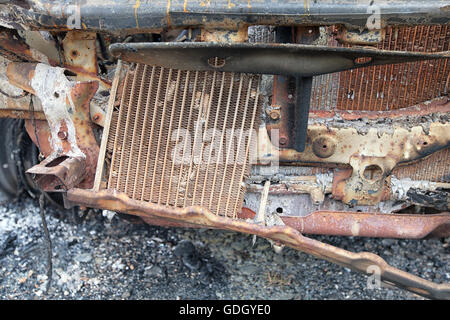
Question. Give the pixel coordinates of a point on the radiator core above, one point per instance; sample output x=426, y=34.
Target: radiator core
x=161, y=143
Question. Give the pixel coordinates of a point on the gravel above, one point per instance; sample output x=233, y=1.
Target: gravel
x=107, y=257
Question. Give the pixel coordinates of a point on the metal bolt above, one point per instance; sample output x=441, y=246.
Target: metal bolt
x=62, y=135
x=283, y=141
x=274, y=114
x=96, y=117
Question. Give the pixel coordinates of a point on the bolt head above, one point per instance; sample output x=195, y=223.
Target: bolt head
x=274, y=114
x=62, y=135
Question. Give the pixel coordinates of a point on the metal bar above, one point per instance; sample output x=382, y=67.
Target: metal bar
x=105, y=134
x=159, y=14
x=361, y=224
x=263, y=58
x=303, y=92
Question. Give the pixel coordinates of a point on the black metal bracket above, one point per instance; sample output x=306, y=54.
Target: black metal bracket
x=262, y=58
x=301, y=61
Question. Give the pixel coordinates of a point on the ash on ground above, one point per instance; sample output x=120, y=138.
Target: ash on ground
x=107, y=257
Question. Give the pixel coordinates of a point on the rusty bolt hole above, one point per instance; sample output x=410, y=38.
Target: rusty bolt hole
x=323, y=147
x=279, y=210
x=56, y=94
x=216, y=62
x=74, y=53
x=373, y=173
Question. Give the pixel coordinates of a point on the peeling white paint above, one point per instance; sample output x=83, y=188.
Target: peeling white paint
x=53, y=88
x=400, y=187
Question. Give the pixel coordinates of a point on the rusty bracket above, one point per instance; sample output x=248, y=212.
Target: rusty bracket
x=68, y=132
x=59, y=174
x=285, y=235
x=78, y=56
x=262, y=58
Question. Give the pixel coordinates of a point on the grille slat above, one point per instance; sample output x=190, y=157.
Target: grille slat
x=153, y=160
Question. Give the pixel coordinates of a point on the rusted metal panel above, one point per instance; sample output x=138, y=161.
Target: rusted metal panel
x=80, y=53
x=66, y=107
x=282, y=234
x=59, y=174
x=154, y=15
x=372, y=144
x=369, y=141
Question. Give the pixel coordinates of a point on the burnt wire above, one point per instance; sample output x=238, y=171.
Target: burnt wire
x=47, y=240
x=42, y=208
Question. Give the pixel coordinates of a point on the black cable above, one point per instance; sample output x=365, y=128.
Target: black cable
x=42, y=210
x=47, y=240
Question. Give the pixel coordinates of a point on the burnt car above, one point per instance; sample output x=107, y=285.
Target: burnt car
x=273, y=118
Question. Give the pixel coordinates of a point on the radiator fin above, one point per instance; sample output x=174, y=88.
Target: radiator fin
x=152, y=158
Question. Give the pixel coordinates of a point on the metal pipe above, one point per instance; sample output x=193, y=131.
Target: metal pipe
x=361, y=224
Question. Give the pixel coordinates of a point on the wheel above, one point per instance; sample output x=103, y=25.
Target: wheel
x=17, y=154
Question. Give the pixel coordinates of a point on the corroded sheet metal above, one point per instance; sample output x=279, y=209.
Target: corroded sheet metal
x=66, y=107
x=59, y=174
x=154, y=15
x=397, y=143
x=286, y=235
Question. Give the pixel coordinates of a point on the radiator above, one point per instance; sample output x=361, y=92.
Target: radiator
x=380, y=88
x=152, y=160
